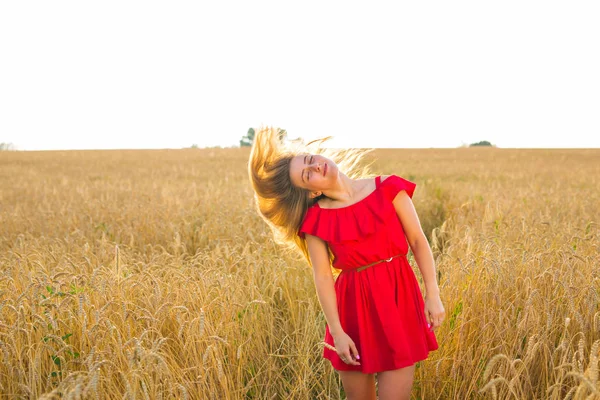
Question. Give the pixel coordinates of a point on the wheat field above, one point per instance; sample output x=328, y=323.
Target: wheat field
x=147, y=274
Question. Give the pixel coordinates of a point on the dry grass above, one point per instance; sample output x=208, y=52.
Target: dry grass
x=148, y=274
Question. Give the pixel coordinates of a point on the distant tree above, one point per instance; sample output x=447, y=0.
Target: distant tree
x=282, y=134
x=194, y=146
x=249, y=138
x=6, y=146
x=482, y=143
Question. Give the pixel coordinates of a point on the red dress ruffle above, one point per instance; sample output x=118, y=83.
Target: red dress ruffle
x=381, y=307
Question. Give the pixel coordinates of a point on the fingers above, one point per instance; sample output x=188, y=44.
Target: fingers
x=351, y=356
x=439, y=318
x=355, y=351
x=427, y=317
x=434, y=321
x=350, y=359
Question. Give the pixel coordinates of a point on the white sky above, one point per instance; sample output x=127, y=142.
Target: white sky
x=148, y=74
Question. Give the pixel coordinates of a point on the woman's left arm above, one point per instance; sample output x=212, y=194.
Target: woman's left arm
x=434, y=310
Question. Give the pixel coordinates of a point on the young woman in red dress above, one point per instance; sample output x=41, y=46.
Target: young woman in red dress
x=377, y=319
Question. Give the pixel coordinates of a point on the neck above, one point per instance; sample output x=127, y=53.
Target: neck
x=344, y=190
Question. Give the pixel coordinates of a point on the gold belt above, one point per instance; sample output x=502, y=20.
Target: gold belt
x=377, y=262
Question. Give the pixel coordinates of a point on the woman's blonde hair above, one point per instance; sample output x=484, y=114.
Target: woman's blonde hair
x=281, y=204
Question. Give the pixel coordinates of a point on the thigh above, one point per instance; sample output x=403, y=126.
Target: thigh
x=358, y=385
x=395, y=384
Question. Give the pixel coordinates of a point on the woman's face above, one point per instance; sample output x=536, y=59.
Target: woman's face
x=313, y=172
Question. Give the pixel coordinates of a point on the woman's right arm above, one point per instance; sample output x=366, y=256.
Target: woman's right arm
x=319, y=257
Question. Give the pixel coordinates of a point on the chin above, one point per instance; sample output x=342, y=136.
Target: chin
x=332, y=172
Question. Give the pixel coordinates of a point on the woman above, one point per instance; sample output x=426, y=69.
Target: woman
x=377, y=320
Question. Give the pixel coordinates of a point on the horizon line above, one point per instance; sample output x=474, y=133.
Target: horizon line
x=248, y=147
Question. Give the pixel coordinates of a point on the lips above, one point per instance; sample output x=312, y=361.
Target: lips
x=325, y=170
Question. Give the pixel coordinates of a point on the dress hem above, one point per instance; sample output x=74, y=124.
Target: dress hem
x=396, y=365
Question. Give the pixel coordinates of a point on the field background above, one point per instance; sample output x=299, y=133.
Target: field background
x=148, y=274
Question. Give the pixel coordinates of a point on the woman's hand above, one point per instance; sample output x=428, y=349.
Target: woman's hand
x=346, y=349
x=434, y=310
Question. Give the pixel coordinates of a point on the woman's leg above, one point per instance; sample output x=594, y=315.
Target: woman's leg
x=396, y=384
x=358, y=386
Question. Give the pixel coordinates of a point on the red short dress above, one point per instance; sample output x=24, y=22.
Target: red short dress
x=381, y=307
